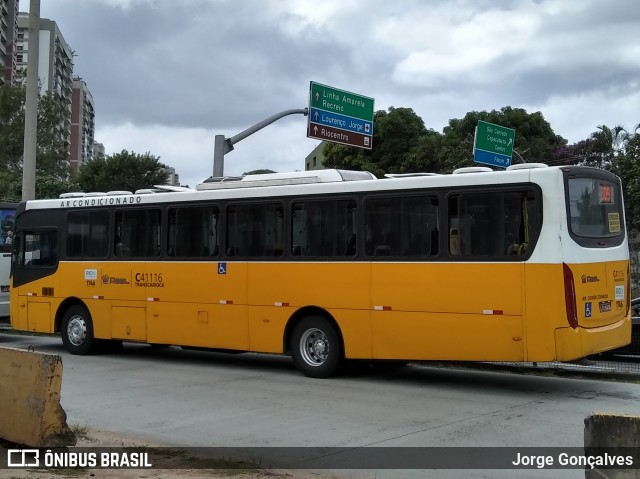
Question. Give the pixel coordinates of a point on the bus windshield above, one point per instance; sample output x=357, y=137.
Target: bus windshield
x=595, y=208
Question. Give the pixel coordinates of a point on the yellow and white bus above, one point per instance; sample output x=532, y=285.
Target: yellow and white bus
x=528, y=264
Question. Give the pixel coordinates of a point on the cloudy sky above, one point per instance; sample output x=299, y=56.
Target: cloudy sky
x=167, y=75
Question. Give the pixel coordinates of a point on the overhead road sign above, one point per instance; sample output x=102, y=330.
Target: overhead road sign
x=493, y=144
x=340, y=116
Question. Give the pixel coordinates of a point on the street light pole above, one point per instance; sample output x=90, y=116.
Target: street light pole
x=223, y=145
x=31, y=105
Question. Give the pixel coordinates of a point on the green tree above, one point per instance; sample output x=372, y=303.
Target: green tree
x=604, y=146
x=52, y=152
x=127, y=171
x=396, y=137
x=12, y=100
x=610, y=141
x=427, y=156
x=52, y=157
x=535, y=139
x=627, y=166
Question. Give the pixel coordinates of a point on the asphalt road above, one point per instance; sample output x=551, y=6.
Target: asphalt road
x=191, y=398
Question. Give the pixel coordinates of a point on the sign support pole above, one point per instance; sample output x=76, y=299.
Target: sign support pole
x=223, y=145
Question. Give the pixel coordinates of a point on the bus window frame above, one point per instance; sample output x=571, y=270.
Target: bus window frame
x=113, y=245
x=166, y=230
x=436, y=194
x=110, y=228
x=224, y=242
x=357, y=200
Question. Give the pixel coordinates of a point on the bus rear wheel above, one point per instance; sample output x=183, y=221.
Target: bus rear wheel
x=316, y=348
x=77, y=330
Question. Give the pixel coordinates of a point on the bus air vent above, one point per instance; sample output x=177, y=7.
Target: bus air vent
x=527, y=166
x=409, y=175
x=473, y=169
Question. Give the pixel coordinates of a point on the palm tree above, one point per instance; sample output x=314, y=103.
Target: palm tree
x=610, y=141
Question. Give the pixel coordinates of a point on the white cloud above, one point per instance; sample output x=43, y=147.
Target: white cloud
x=190, y=150
x=576, y=117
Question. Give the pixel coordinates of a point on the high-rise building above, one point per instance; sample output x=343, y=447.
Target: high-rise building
x=8, y=37
x=55, y=57
x=82, y=125
x=55, y=70
x=99, y=152
x=55, y=64
x=174, y=178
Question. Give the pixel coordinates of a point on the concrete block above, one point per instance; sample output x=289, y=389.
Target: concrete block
x=616, y=434
x=30, y=410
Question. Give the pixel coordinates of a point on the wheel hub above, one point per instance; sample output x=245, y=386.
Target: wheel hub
x=77, y=330
x=314, y=346
x=319, y=347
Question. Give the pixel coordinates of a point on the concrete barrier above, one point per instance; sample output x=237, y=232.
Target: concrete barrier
x=30, y=410
x=619, y=436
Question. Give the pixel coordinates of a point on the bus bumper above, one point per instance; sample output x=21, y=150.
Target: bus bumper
x=581, y=342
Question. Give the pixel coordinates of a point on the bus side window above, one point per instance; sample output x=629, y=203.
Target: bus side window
x=44, y=248
x=454, y=242
x=17, y=257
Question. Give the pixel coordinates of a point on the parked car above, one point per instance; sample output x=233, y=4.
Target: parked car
x=635, y=308
x=634, y=347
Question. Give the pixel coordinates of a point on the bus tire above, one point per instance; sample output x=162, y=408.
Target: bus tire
x=316, y=347
x=77, y=330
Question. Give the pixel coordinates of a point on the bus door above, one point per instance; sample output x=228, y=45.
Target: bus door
x=35, y=260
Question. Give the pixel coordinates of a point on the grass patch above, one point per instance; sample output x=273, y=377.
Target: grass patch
x=80, y=430
x=64, y=472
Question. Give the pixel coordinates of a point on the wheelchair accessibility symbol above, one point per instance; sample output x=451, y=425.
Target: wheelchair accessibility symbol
x=587, y=310
x=222, y=268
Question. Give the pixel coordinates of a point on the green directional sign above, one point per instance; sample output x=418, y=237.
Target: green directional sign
x=341, y=102
x=495, y=138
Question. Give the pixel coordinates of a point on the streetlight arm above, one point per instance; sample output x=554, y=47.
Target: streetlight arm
x=519, y=156
x=259, y=126
x=223, y=145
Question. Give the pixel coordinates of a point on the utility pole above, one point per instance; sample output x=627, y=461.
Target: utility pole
x=31, y=105
x=224, y=145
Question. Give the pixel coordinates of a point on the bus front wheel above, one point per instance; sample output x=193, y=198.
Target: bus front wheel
x=77, y=330
x=316, y=348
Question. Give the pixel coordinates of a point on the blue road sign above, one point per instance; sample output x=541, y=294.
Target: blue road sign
x=491, y=159
x=341, y=122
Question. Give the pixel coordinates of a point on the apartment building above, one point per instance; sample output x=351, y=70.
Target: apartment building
x=174, y=178
x=55, y=64
x=82, y=125
x=55, y=72
x=315, y=159
x=8, y=36
x=99, y=151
